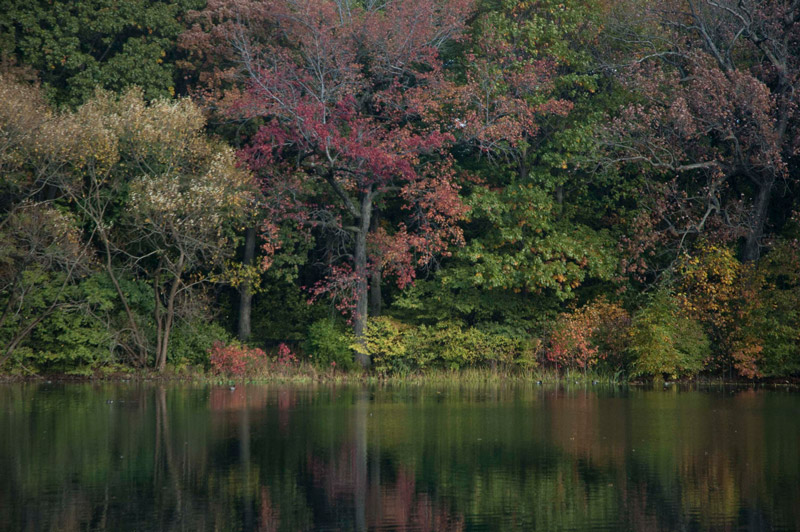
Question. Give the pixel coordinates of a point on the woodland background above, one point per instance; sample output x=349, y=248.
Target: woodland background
x=242, y=187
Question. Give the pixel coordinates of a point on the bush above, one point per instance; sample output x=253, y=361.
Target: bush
x=751, y=311
x=664, y=341
x=510, y=347
x=75, y=337
x=328, y=344
x=385, y=343
x=191, y=341
x=772, y=318
x=398, y=348
x=235, y=359
x=592, y=334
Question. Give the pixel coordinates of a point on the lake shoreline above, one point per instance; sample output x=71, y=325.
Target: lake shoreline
x=308, y=375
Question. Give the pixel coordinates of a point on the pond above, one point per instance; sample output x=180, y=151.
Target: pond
x=134, y=456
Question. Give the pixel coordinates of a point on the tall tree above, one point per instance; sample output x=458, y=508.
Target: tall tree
x=522, y=104
x=340, y=87
x=715, y=113
x=159, y=198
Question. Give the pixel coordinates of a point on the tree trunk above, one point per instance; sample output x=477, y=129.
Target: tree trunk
x=169, y=316
x=245, y=291
x=362, y=285
x=758, y=220
x=375, y=296
x=141, y=346
x=157, y=314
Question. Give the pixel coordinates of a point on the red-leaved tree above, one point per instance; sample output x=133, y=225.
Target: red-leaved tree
x=339, y=88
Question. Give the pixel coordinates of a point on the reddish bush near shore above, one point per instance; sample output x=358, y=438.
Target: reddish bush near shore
x=235, y=359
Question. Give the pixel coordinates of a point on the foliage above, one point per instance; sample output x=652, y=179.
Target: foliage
x=281, y=313
x=590, y=186
x=717, y=290
x=771, y=320
x=385, y=344
x=328, y=345
x=183, y=192
x=665, y=342
x=42, y=263
x=192, y=340
x=235, y=359
x=522, y=105
x=340, y=93
x=77, y=46
x=591, y=335
x=286, y=359
x=524, y=247
x=397, y=348
x=713, y=115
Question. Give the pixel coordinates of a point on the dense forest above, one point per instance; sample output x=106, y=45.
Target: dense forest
x=248, y=186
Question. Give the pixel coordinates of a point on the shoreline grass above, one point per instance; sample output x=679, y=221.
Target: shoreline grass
x=308, y=374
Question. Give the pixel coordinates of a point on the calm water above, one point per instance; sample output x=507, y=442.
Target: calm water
x=149, y=457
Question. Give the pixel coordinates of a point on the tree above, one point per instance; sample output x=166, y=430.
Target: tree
x=715, y=112
x=184, y=196
x=340, y=88
x=157, y=199
x=521, y=104
x=77, y=46
x=42, y=257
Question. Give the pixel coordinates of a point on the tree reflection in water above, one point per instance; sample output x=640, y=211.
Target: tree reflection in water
x=405, y=458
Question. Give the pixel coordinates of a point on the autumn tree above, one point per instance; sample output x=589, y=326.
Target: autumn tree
x=182, y=193
x=520, y=102
x=714, y=113
x=157, y=200
x=42, y=254
x=340, y=88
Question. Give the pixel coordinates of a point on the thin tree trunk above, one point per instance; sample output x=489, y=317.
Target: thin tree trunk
x=758, y=220
x=362, y=285
x=169, y=316
x=157, y=314
x=245, y=291
x=168, y=321
x=375, y=296
x=140, y=344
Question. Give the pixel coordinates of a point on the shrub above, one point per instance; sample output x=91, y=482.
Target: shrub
x=398, y=348
x=751, y=312
x=665, y=341
x=454, y=347
x=328, y=345
x=192, y=340
x=771, y=320
x=592, y=334
x=235, y=359
x=509, y=347
x=285, y=359
x=385, y=343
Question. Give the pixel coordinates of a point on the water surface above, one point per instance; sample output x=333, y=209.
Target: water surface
x=166, y=457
